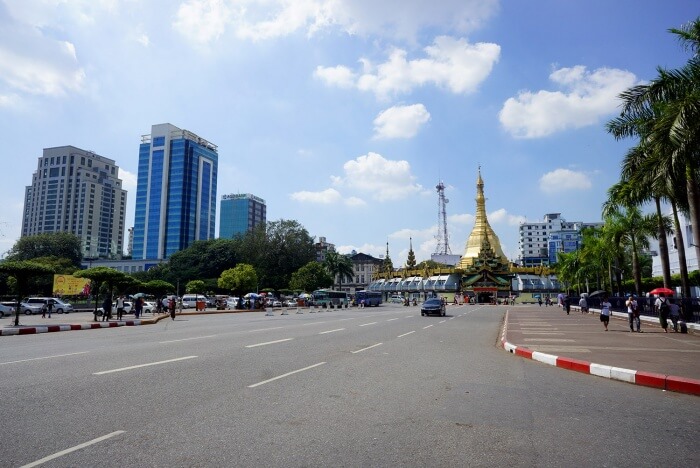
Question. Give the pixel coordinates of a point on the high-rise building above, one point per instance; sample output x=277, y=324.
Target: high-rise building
x=240, y=212
x=175, y=192
x=77, y=191
x=540, y=242
x=322, y=248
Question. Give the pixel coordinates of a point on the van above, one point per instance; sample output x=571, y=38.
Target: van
x=396, y=299
x=59, y=307
x=190, y=300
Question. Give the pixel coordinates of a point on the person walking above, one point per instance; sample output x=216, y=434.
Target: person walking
x=120, y=307
x=633, y=313
x=171, y=306
x=583, y=304
x=539, y=301
x=605, y=312
x=674, y=313
x=107, y=309
x=138, y=307
x=663, y=310
x=567, y=304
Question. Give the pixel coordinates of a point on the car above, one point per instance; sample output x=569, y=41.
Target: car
x=30, y=308
x=276, y=303
x=127, y=308
x=149, y=307
x=7, y=309
x=59, y=306
x=396, y=300
x=433, y=306
x=231, y=302
x=291, y=303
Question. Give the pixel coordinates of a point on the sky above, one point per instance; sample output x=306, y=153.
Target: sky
x=343, y=115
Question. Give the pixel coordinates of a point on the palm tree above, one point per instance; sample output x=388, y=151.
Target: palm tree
x=338, y=266
x=677, y=93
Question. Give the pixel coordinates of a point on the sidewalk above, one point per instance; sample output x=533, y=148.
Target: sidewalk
x=579, y=342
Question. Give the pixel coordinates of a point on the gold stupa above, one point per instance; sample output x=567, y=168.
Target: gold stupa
x=482, y=237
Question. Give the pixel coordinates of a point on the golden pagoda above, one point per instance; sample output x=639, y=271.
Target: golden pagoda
x=482, y=235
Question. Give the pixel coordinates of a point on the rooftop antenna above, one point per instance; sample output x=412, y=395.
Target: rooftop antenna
x=443, y=243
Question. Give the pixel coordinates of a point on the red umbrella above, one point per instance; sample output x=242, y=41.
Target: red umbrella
x=664, y=291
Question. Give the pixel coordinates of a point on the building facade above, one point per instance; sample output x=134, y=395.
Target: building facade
x=77, y=191
x=175, y=193
x=322, y=248
x=239, y=213
x=674, y=245
x=539, y=243
x=363, y=266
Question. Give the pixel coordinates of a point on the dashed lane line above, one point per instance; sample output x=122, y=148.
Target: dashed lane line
x=406, y=334
x=365, y=324
x=331, y=331
x=188, y=339
x=285, y=375
x=143, y=365
x=40, y=358
x=72, y=449
x=365, y=349
x=268, y=343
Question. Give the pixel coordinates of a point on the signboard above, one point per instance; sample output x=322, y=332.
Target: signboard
x=69, y=285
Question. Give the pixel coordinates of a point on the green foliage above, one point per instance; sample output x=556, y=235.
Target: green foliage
x=311, y=276
x=22, y=271
x=158, y=288
x=54, y=244
x=241, y=279
x=195, y=287
x=338, y=266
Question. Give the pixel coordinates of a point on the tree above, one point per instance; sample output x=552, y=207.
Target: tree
x=99, y=276
x=22, y=271
x=240, y=279
x=195, y=287
x=310, y=277
x=50, y=244
x=158, y=287
x=338, y=266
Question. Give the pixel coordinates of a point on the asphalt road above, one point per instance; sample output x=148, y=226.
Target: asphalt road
x=369, y=387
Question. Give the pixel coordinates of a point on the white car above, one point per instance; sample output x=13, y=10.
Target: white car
x=127, y=308
x=276, y=303
x=149, y=307
x=7, y=309
x=291, y=303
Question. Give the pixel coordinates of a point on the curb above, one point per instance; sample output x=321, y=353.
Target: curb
x=81, y=326
x=647, y=379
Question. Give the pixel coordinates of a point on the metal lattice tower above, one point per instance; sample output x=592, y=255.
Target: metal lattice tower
x=443, y=243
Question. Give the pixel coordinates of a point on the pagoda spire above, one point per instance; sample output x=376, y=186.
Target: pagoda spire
x=411, y=260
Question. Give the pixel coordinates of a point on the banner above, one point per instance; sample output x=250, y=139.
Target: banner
x=68, y=285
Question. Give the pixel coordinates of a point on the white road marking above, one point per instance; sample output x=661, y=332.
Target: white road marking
x=72, y=449
x=406, y=334
x=368, y=347
x=45, y=357
x=331, y=331
x=442, y=321
x=427, y=327
x=268, y=342
x=188, y=339
x=408, y=316
x=451, y=318
x=144, y=365
x=285, y=375
x=365, y=324
x=389, y=320
x=264, y=329
x=312, y=323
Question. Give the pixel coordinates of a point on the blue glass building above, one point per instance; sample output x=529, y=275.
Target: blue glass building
x=175, y=192
x=240, y=212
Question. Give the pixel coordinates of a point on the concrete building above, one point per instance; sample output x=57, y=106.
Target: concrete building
x=77, y=191
x=322, y=247
x=673, y=246
x=363, y=266
x=539, y=243
x=176, y=192
x=239, y=213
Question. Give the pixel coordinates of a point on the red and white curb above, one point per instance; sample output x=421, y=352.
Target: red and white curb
x=59, y=328
x=647, y=379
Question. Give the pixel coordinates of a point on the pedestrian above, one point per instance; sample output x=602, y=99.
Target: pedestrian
x=583, y=304
x=138, y=307
x=362, y=303
x=539, y=301
x=567, y=304
x=674, y=312
x=605, y=312
x=663, y=310
x=120, y=307
x=633, y=313
x=171, y=306
x=107, y=309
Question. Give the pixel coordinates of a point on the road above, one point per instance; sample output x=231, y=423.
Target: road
x=364, y=387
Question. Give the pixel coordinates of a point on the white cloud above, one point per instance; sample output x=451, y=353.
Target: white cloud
x=128, y=180
x=268, y=19
x=502, y=216
x=400, y=121
x=562, y=180
x=355, y=201
x=450, y=63
x=34, y=64
x=325, y=197
x=586, y=97
x=202, y=21
x=465, y=218
x=383, y=178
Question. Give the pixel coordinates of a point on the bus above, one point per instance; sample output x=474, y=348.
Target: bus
x=371, y=298
x=327, y=297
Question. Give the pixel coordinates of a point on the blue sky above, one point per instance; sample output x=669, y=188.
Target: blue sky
x=343, y=115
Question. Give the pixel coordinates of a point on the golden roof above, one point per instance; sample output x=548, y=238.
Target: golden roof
x=482, y=236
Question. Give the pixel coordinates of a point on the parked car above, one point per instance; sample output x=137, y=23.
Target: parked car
x=290, y=303
x=396, y=300
x=127, y=308
x=433, y=306
x=149, y=307
x=30, y=309
x=276, y=303
x=59, y=306
x=231, y=302
x=7, y=309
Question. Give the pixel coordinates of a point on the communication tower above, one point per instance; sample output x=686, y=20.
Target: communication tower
x=443, y=243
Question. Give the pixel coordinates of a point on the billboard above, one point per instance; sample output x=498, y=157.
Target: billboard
x=68, y=285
